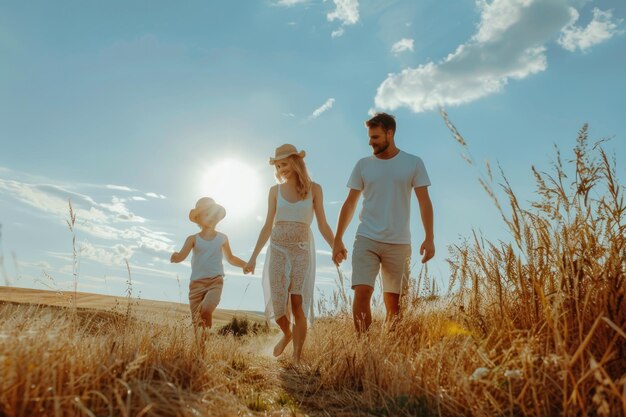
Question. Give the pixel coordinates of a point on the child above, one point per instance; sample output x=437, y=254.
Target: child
x=207, y=271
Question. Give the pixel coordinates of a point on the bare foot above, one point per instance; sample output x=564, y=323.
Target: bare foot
x=282, y=344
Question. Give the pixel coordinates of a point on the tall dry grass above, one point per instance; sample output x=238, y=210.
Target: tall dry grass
x=534, y=326
x=54, y=363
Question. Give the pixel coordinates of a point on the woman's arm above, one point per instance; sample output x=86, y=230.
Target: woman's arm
x=232, y=259
x=320, y=215
x=266, y=231
x=180, y=256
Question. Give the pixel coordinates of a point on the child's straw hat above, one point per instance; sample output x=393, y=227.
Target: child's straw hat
x=283, y=151
x=216, y=211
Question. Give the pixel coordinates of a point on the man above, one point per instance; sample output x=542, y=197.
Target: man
x=383, y=240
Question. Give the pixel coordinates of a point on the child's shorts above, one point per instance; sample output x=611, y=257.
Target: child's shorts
x=205, y=293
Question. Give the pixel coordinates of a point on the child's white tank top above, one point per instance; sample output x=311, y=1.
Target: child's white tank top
x=206, y=258
x=301, y=211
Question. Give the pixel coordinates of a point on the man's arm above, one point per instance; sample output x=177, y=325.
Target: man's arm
x=427, y=249
x=345, y=216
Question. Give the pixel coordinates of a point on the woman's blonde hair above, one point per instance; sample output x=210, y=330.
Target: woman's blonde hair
x=303, y=181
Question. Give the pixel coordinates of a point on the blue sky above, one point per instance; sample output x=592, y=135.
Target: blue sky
x=134, y=109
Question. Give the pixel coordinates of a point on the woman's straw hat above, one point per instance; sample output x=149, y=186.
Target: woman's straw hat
x=283, y=151
x=216, y=211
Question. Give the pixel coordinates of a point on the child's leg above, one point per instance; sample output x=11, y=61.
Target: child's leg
x=206, y=314
x=196, y=295
x=211, y=300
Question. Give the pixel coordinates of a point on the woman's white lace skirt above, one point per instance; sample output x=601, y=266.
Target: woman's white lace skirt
x=289, y=269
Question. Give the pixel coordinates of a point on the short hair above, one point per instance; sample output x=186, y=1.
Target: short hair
x=384, y=120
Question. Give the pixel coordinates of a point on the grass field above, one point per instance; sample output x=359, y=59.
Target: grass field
x=530, y=327
x=147, y=310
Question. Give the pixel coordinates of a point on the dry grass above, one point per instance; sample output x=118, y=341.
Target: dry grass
x=55, y=362
x=534, y=327
x=531, y=327
x=146, y=310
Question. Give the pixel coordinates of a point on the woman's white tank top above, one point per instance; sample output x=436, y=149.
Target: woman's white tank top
x=206, y=258
x=301, y=211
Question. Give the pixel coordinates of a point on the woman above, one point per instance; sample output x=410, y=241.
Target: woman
x=289, y=270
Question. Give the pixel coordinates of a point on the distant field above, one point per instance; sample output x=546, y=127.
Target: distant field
x=150, y=310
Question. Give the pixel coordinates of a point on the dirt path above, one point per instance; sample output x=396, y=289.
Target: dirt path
x=277, y=387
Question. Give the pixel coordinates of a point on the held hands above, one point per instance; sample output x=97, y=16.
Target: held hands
x=427, y=250
x=340, y=253
x=249, y=267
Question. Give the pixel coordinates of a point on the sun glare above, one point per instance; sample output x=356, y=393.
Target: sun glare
x=234, y=185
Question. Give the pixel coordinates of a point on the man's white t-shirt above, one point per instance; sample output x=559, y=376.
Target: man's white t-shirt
x=387, y=185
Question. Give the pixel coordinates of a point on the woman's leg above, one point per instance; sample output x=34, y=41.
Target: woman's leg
x=299, y=328
x=285, y=326
x=279, y=294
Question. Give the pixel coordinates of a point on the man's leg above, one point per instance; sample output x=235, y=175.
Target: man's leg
x=361, y=307
x=395, y=268
x=365, y=268
x=392, y=305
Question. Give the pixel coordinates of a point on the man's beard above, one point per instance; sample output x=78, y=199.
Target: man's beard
x=381, y=149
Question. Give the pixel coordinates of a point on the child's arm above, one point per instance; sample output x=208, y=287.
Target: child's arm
x=180, y=256
x=232, y=259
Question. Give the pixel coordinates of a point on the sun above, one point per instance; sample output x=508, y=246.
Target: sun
x=233, y=184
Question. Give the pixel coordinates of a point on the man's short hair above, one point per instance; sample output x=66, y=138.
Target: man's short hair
x=384, y=120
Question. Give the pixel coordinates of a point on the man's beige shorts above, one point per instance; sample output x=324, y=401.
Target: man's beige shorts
x=204, y=293
x=393, y=260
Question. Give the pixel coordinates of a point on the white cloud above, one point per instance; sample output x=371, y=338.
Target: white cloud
x=155, y=195
x=110, y=255
x=347, y=11
x=323, y=108
x=404, y=44
x=155, y=272
x=53, y=199
x=119, y=187
x=96, y=219
x=106, y=255
x=288, y=3
x=155, y=247
x=337, y=33
x=508, y=44
x=35, y=264
x=601, y=28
